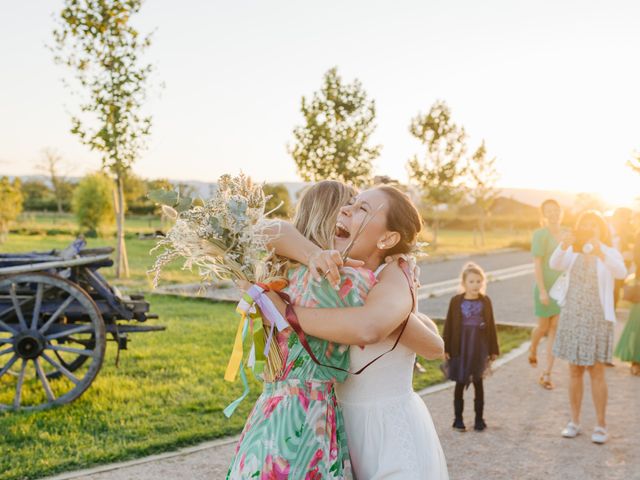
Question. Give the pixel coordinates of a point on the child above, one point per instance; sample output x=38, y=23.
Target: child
x=470, y=342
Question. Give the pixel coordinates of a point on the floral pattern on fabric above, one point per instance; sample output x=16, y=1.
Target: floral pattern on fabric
x=296, y=429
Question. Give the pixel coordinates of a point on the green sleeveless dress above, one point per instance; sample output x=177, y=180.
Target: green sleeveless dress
x=543, y=244
x=295, y=429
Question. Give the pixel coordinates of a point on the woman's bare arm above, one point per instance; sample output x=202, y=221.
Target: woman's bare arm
x=420, y=336
x=388, y=304
x=537, y=268
x=288, y=242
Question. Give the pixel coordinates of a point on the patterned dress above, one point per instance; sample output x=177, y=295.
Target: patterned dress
x=295, y=429
x=473, y=362
x=584, y=337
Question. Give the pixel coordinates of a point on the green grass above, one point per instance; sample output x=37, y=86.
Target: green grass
x=38, y=221
x=167, y=393
x=140, y=260
x=508, y=339
x=451, y=242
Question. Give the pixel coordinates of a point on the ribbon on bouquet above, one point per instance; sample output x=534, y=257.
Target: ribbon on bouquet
x=260, y=349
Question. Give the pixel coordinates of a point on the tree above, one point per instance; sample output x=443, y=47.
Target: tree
x=11, y=201
x=93, y=203
x=482, y=187
x=279, y=194
x=96, y=40
x=439, y=175
x=51, y=164
x=334, y=141
x=37, y=196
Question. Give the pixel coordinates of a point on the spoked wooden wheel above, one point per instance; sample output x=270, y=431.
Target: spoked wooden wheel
x=52, y=341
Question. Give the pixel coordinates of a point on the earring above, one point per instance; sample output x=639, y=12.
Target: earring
x=381, y=246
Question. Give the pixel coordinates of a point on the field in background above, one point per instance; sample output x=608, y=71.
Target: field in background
x=44, y=231
x=452, y=242
x=167, y=393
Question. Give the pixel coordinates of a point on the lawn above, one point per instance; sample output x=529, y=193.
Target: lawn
x=168, y=392
x=451, y=242
x=140, y=260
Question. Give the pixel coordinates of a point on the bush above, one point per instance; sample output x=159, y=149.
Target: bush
x=11, y=201
x=93, y=203
x=279, y=194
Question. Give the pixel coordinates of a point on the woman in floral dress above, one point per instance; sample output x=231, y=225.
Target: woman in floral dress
x=307, y=439
x=295, y=429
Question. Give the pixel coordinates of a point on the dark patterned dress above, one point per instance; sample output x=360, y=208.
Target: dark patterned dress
x=471, y=365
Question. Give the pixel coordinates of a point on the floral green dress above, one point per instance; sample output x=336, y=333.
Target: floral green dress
x=295, y=429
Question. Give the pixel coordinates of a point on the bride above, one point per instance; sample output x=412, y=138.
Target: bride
x=390, y=432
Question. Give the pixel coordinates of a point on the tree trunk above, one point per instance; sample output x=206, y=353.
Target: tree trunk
x=59, y=202
x=122, y=262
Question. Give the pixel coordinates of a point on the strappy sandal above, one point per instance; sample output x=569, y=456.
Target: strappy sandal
x=533, y=360
x=545, y=381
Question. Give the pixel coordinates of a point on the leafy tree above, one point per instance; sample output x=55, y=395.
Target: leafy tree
x=440, y=173
x=11, y=201
x=96, y=40
x=279, y=194
x=482, y=186
x=93, y=203
x=36, y=195
x=51, y=164
x=334, y=141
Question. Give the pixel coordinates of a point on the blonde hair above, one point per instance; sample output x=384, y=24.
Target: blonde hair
x=472, y=268
x=317, y=211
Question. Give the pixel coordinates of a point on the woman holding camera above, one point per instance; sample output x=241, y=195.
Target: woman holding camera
x=585, y=330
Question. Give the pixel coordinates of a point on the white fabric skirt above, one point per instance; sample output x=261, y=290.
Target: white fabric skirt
x=393, y=439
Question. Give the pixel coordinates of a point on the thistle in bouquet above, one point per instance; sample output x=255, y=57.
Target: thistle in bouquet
x=225, y=238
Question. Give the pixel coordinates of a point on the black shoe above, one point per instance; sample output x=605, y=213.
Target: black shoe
x=458, y=424
x=479, y=425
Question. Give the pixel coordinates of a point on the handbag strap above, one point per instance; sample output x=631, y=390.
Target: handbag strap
x=292, y=318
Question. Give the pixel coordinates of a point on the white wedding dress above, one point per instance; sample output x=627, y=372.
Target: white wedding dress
x=389, y=428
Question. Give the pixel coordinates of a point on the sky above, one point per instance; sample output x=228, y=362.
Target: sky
x=552, y=87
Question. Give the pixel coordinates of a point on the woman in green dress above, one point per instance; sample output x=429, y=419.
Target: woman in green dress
x=628, y=348
x=544, y=242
